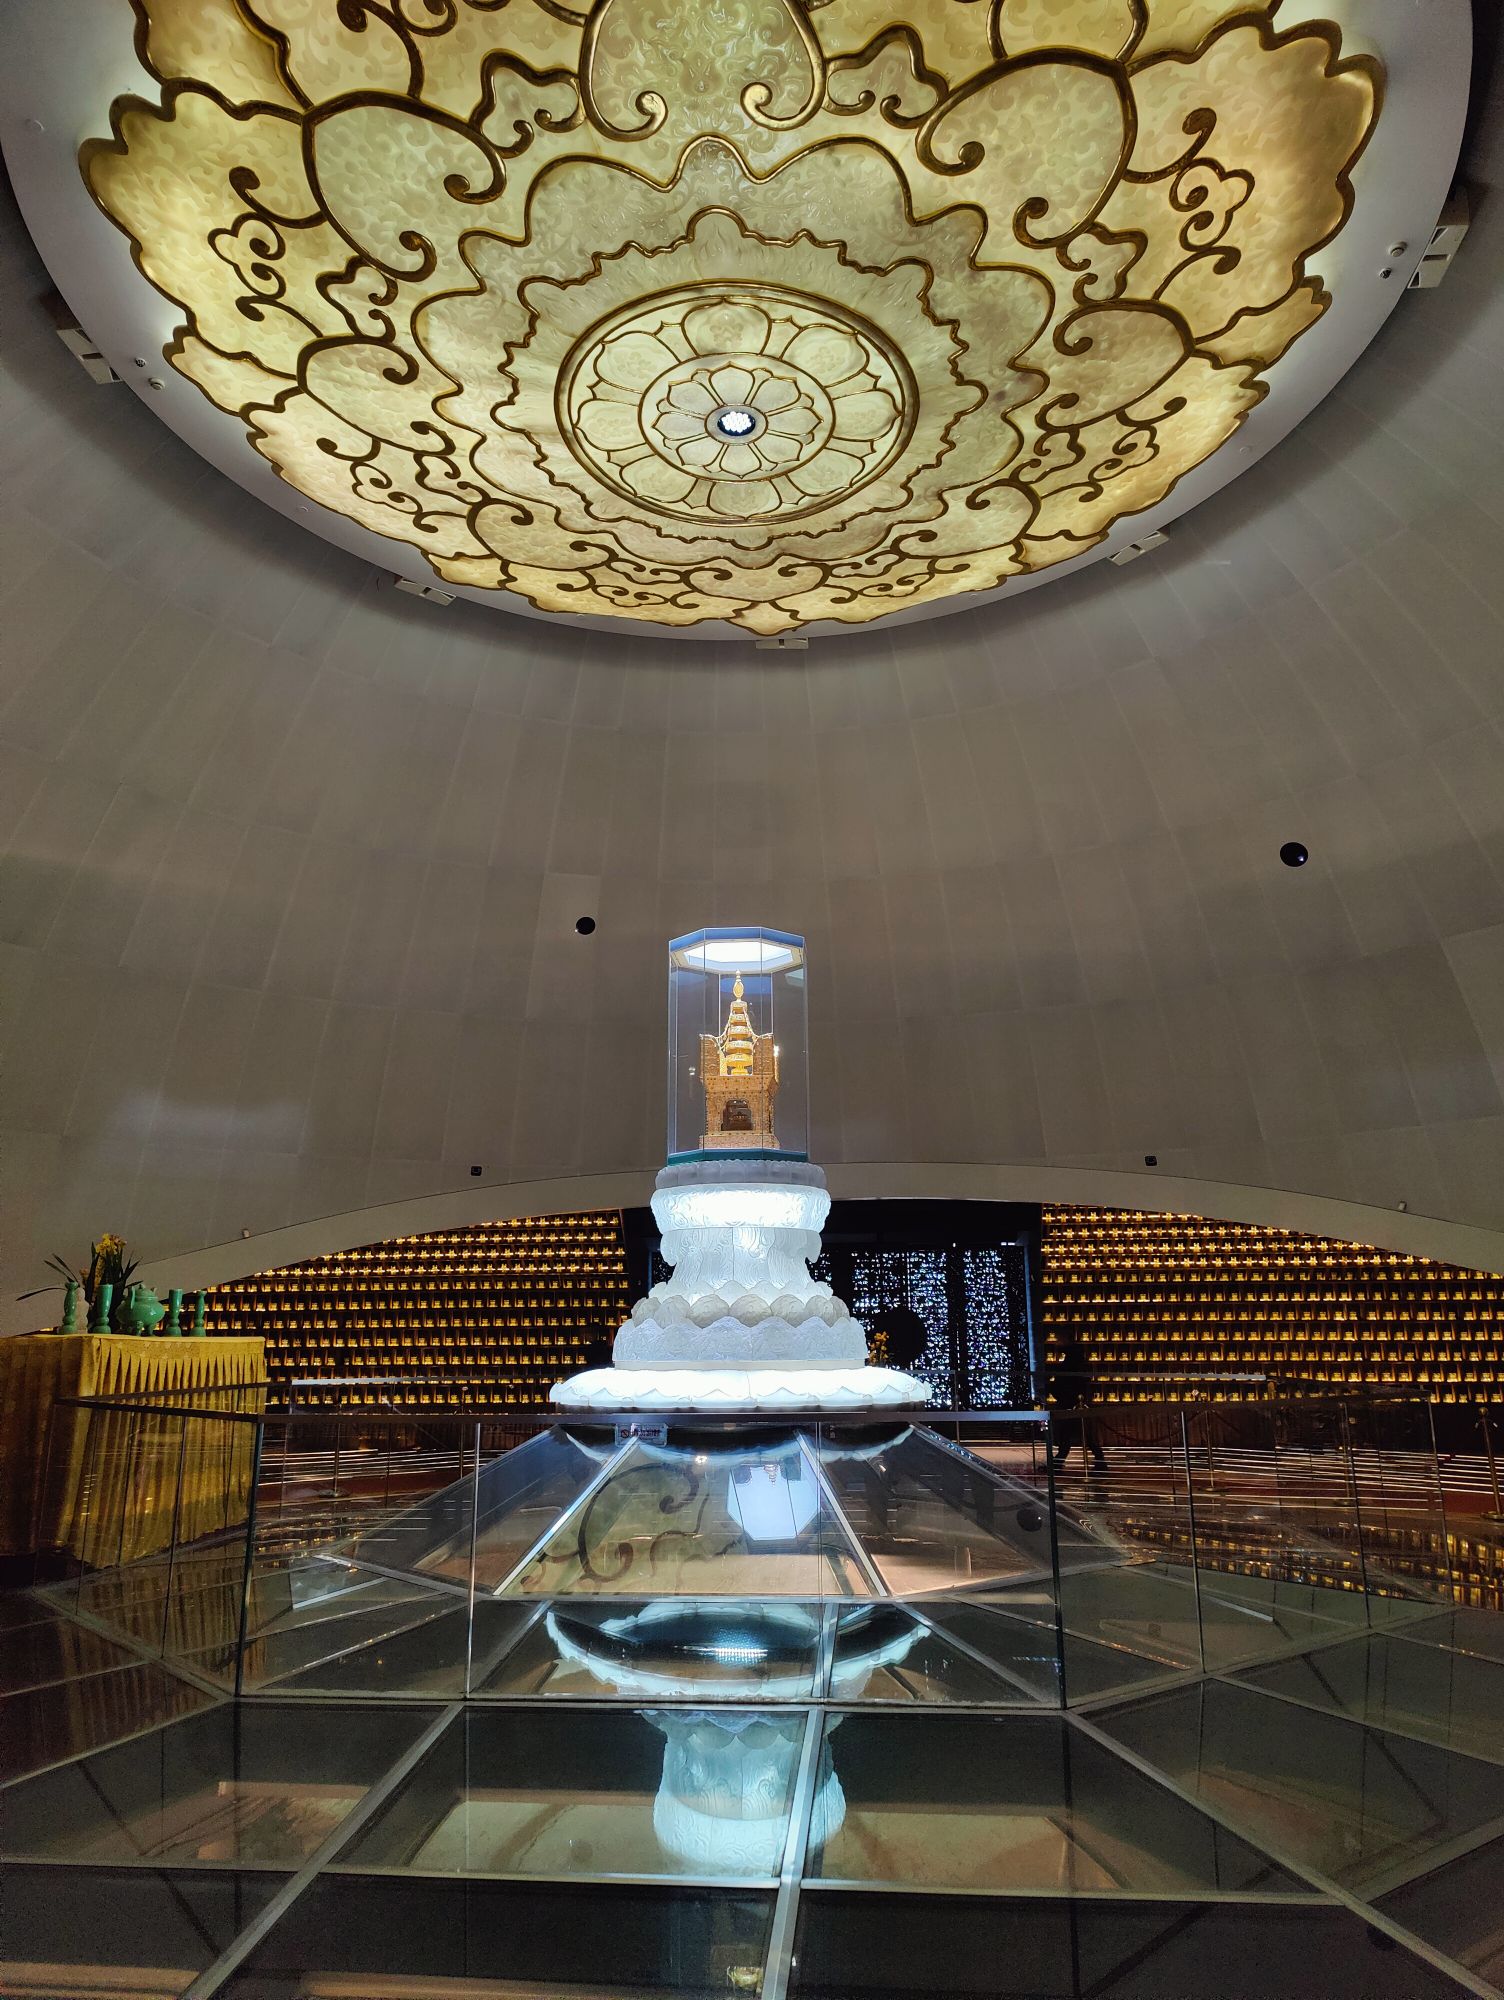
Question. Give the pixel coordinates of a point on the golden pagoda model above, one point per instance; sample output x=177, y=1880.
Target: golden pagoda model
x=739, y=1069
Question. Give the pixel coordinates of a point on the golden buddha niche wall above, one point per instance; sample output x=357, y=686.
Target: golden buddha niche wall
x=488, y=1315
x=1169, y=1306
x=1173, y=1306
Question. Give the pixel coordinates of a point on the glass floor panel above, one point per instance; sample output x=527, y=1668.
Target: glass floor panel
x=1024, y=1648
x=137, y=1933
x=748, y=1522
x=1347, y=1801
x=387, y=1937
x=254, y=1784
x=600, y=1851
x=46, y=1725
x=1006, y=1803
x=675, y=1792
x=420, y=1654
x=1456, y=1699
x=1466, y=1630
x=1459, y=1908
x=911, y=1653
x=191, y=1609
x=55, y=1649
x=23, y=1607
x=870, y=1946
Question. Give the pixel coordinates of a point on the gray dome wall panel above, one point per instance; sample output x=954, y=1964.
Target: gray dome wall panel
x=292, y=863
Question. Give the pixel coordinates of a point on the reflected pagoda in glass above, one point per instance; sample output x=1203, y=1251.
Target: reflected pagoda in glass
x=740, y=1324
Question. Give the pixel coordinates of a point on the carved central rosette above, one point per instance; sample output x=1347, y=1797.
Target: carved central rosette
x=731, y=404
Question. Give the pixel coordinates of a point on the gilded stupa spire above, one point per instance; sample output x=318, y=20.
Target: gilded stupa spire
x=739, y=1071
x=738, y=1040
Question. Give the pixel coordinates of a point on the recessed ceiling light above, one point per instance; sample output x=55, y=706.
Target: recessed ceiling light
x=1295, y=854
x=738, y=954
x=584, y=925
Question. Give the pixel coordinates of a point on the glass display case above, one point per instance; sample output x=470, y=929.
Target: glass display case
x=738, y=1045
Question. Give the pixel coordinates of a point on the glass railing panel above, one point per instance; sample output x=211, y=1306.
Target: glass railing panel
x=400, y=1488
x=301, y=1603
x=1126, y=1600
x=1402, y=1504
x=320, y=1614
x=519, y=1498
x=1279, y=1558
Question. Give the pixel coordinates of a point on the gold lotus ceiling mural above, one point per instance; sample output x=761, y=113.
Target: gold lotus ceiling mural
x=748, y=310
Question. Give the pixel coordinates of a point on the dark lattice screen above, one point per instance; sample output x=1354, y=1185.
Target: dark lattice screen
x=962, y=1267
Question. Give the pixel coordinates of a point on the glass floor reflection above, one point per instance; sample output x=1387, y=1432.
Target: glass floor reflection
x=806, y=1714
x=1212, y=1841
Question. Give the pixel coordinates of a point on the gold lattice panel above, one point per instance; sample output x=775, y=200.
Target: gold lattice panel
x=746, y=310
x=489, y=1315
x=1182, y=1305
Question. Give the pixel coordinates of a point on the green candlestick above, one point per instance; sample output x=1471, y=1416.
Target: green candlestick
x=104, y=1298
x=174, y=1313
x=70, y=1307
x=198, y=1315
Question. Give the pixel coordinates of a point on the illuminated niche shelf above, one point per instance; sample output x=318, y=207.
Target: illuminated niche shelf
x=489, y=1314
x=1182, y=1305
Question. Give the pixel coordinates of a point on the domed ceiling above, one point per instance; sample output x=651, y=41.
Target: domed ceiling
x=739, y=312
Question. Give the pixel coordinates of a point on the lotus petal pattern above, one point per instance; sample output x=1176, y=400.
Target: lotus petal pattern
x=987, y=278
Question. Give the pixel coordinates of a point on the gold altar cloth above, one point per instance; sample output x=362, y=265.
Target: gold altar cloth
x=103, y=1486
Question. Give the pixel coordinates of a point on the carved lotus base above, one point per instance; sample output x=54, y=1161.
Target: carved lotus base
x=771, y=1387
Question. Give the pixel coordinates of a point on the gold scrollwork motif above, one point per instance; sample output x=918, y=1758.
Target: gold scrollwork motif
x=749, y=310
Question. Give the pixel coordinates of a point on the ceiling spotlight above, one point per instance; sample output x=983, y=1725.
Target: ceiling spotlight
x=1295, y=854
x=584, y=925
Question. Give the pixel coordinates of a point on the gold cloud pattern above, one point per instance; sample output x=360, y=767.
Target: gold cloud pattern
x=744, y=310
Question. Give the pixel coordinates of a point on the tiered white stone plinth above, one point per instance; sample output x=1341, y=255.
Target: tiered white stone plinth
x=740, y=1324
